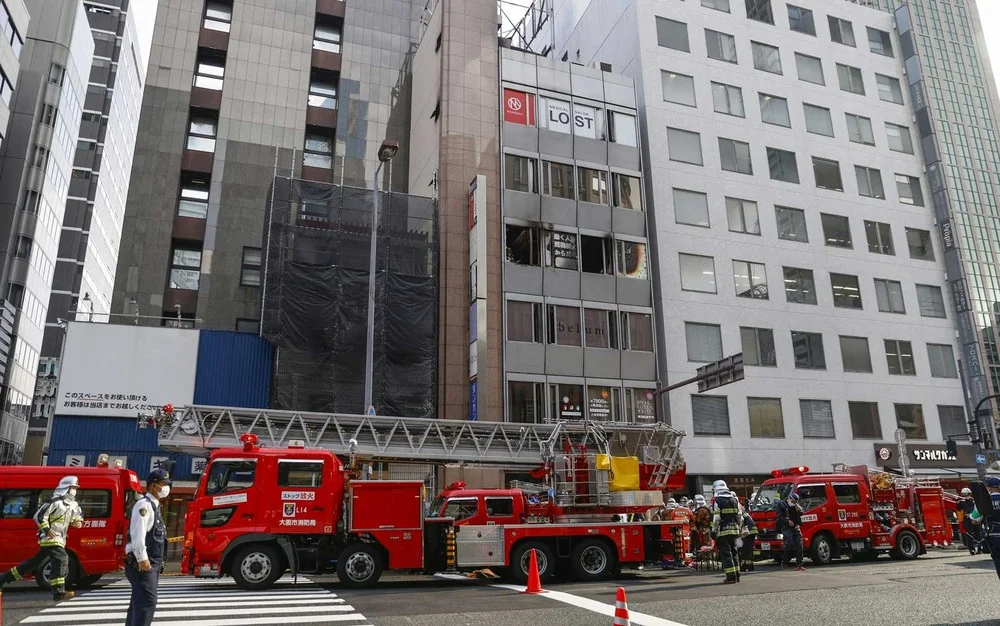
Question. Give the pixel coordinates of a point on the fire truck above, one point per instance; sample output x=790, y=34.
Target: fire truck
x=287, y=491
x=855, y=512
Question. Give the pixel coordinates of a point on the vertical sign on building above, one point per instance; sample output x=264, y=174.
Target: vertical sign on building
x=477, y=289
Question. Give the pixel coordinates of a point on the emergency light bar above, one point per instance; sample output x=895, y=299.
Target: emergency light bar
x=250, y=442
x=790, y=471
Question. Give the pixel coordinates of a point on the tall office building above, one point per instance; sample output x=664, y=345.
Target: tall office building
x=37, y=157
x=792, y=221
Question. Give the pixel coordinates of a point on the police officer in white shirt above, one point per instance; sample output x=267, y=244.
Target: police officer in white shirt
x=146, y=548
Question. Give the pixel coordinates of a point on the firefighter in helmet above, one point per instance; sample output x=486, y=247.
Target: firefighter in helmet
x=727, y=523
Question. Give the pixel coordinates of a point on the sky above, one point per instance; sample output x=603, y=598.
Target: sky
x=989, y=12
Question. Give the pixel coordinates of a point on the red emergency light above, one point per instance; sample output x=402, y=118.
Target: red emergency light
x=790, y=471
x=168, y=409
x=460, y=484
x=250, y=441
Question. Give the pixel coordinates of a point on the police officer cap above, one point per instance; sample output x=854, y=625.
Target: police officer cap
x=159, y=476
x=794, y=496
x=993, y=481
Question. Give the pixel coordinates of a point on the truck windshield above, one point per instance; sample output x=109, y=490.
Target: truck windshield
x=230, y=475
x=457, y=508
x=768, y=496
x=436, y=507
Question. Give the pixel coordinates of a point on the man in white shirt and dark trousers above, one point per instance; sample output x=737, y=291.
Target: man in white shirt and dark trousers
x=146, y=548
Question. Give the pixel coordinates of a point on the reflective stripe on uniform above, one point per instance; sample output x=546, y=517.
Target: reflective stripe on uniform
x=16, y=574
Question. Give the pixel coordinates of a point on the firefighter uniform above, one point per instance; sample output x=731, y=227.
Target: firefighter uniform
x=727, y=521
x=749, y=538
x=145, y=550
x=992, y=522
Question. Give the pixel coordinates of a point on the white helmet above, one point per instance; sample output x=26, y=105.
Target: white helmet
x=720, y=487
x=65, y=484
x=966, y=492
x=700, y=500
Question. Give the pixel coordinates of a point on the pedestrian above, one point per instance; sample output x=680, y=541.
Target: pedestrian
x=727, y=522
x=146, y=548
x=789, y=524
x=991, y=522
x=53, y=519
x=970, y=530
x=749, y=535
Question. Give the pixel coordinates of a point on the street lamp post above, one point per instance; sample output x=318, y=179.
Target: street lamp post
x=385, y=154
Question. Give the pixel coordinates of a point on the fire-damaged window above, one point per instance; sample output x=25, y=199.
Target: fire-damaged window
x=596, y=255
x=293, y=473
x=523, y=245
x=560, y=250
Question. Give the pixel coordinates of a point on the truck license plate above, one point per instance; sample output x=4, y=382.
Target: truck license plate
x=765, y=546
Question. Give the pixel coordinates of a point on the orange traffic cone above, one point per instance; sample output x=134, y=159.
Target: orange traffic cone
x=621, y=609
x=534, y=580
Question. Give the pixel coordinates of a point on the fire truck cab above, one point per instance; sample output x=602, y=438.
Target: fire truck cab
x=853, y=512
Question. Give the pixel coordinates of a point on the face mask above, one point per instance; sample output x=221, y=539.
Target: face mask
x=72, y=493
x=164, y=491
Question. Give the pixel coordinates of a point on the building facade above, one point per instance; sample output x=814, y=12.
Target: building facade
x=791, y=222
x=37, y=156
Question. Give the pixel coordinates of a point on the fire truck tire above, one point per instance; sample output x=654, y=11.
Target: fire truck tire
x=257, y=566
x=72, y=577
x=520, y=557
x=359, y=565
x=907, y=546
x=593, y=559
x=821, y=550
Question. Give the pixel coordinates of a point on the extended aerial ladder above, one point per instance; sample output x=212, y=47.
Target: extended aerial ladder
x=198, y=429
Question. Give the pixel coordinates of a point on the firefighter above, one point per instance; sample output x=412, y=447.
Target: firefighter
x=970, y=530
x=726, y=526
x=991, y=523
x=53, y=519
x=789, y=524
x=146, y=548
x=749, y=538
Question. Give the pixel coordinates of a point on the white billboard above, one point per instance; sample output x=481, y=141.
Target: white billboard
x=121, y=371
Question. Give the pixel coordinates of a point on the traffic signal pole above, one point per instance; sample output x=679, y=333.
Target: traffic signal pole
x=722, y=372
x=980, y=448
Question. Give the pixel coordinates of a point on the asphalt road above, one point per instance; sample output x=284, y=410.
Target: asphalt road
x=940, y=588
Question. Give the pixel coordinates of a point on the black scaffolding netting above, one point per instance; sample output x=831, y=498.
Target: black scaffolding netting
x=315, y=305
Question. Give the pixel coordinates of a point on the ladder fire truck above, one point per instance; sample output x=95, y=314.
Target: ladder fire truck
x=285, y=491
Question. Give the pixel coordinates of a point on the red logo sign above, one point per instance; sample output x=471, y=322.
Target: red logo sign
x=518, y=107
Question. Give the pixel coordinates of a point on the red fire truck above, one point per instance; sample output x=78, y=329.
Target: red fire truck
x=855, y=512
x=285, y=500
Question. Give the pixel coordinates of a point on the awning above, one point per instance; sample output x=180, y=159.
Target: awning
x=952, y=473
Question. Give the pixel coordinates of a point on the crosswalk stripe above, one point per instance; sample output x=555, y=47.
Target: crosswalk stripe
x=292, y=619
x=70, y=607
x=229, y=593
x=220, y=599
x=57, y=617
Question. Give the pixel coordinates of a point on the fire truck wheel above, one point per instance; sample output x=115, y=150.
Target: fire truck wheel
x=907, y=546
x=821, y=551
x=520, y=560
x=592, y=559
x=43, y=575
x=359, y=565
x=257, y=566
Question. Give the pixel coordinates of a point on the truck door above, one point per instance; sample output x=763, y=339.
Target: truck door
x=500, y=510
x=814, y=501
x=851, y=511
x=302, y=506
x=231, y=504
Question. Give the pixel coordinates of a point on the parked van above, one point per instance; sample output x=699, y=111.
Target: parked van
x=105, y=496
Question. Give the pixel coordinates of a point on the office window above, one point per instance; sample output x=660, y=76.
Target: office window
x=855, y=354
x=185, y=268
x=721, y=46
x=523, y=245
x=600, y=328
x=564, y=325
x=889, y=294
x=57, y=74
x=919, y=242
x=735, y=156
x=952, y=420
x=931, y=301
x=718, y=5
x=627, y=192
x=879, y=237
x=808, y=350
x=750, y=279
x=818, y=120
x=880, y=42
x=908, y=189
x=710, y=416
x=519, y=174
x=678, y=88
x=24, y=245
x=597, y=255
x=218, y=16
x=208, y=74
x=250, y=268
x=327, y=38
x=637, y=331
x=791, y=224
x=633, y=262
x=728, y=99
x=910, y=418
x=850, y=79
x=841, y=31
x=592, y=186
x=800, y=287
x=684, y=146
x=526, y=402
x=557, y=180
x=774, y=110
x=865, y=422
x=697, y=273
x=846, y=292
x=760, y=10
x=827, y=174
x=560, y=250
x=836, y=230
x=869, y=182
x=889, y=89
x=622, y=129
x=318, y=151
x=524, y=321
x=859, y=129
x=742, y=216
x=566, y=402
x=801, y=20
x=193, y=199
x=40, y=158
x=765, y=57
x=810, y=69
x=201, y=134
x=691, y=207
x=704, y=341
x=899, y=357
x=782, y=166
x=49, y=115
x=899, y=138
x=942, y=360
x=817, y=419
x=766, y=419
x=672, y=34
x=758, y=347
x=322, y=94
